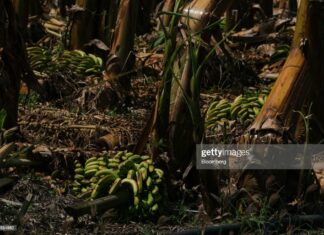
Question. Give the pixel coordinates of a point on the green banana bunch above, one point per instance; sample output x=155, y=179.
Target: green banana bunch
x=242, y=108
x=105, y=175
x=246, y=107
x=81, y=63
x=218, y=111
x=77, y=61
x=40, y=58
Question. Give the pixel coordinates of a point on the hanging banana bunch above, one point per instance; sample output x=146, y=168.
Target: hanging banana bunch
x=241, y=109
x=106, y=175
x=78, y=62
x=54, y=27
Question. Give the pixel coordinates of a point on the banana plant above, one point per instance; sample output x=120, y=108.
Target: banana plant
x=3, y=115
x=121, y=58
x=64, y=4
x=107, y=20
x=282, y=99
x=267, y=6
x=117, y=28
x=22, y=9
x=93, y=19
x=298, y=89
x=178, y=80
x=168, y=6
x=13, y=63
x=189, y=82
x=179, y=121
x=84, y=24
x=171, y=51
x=110, y=21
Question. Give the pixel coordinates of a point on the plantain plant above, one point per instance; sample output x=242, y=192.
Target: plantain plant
x=13, y=62
x=299, y=85
x=83, y=28
x=22, y=9
x=171, y=51
x=282, y=98
x=168, y=6
x=179, y=118
x=93, y=19
x=3, y=115
x=121, y=58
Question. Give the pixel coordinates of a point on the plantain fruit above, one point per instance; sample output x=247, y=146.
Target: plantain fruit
x=155, y=190
x=154, y=208
x=106, y=175
x=143, y=172
x=131, y=184
x=136, y=201
x=139, y=181
x=151, y=168
x=90, y=160
x=135, y=158
x=149, y=182
x=91, y=172
x=159, y=172
x=91, y=167
x=114, y=187
x=79, y=177
x=103, y=184
x=79, y=170
x=130, y=174
x=150, y=199
x=104, y=172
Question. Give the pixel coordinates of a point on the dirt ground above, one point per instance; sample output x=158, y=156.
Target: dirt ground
x=62, y=134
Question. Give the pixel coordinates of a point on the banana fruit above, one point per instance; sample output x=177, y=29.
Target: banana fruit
x=106, y=175
x=241, y=109
x=217, y=112
x=48, y=61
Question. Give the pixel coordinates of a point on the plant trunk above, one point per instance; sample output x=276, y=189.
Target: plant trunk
x=168, y=6
x=231, y=18
x=97, y=21
x=21, y=10
x=239, y=14
x=163, y=100
x=185, y=126
x=13, y=63
x=298, y=88
x=282, y=99
x=110, y=22
x=315, y=36
x=180, y=125
x=34, y=8
x=267, y=6
x=64, y=4
x=101, y=16
x=84, y=23
x=121, y=58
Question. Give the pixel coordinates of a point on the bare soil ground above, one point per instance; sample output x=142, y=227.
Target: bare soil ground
x=63, y=134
